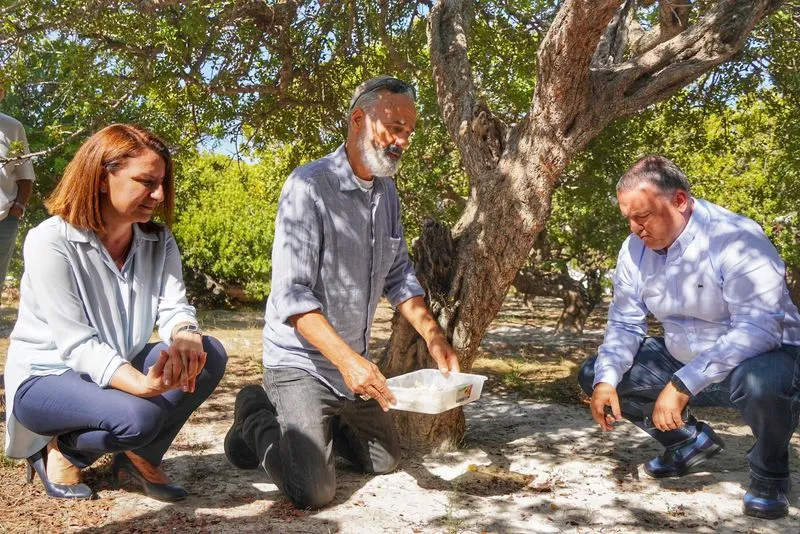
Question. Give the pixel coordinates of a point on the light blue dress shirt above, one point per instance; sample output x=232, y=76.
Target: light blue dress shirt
x=719, y=291
x=78, y=311
x=337, y=249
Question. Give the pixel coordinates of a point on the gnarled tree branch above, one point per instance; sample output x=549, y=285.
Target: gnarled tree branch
x=664, y=70
x=448, y=26
x=673, y=18
x=476, y=131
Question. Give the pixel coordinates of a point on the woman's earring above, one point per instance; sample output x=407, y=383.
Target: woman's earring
x=103, y=190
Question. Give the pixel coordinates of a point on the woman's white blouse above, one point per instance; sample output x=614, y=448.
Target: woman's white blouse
x=79, y=311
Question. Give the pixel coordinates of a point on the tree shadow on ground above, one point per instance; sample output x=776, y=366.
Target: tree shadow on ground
x=267, y=510
x=547, y=441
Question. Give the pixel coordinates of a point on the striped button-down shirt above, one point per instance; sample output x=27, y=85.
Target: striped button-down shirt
x=337, y=249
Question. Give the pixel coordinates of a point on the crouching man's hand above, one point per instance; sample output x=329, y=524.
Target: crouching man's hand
x=605, y=395
x=669, y=407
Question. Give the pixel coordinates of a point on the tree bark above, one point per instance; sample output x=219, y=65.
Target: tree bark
x=512, y=170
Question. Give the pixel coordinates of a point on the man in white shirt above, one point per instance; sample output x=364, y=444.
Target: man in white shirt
x=731, y=333
x=16, y=184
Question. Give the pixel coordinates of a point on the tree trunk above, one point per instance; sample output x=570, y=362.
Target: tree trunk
x=578, y=301
x=512, y=170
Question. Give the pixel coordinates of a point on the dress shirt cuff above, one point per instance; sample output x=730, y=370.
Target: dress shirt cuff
x=296, y=300
x=694, y=381
x=113, y=364
x=403, y=292
x=608, y=374
x=165, y=330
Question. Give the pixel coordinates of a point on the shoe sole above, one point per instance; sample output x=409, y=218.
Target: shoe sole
x=692, y=463
x=764, y=515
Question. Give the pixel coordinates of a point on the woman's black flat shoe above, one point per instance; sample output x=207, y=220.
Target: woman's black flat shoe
x=36, y=464
x=160, y=492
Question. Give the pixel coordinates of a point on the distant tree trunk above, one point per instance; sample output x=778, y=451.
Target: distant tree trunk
x=512, y=170
x=579, y=301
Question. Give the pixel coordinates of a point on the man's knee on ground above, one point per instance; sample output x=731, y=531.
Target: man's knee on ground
x=386, y=464
x=313, y=494
x=586, y=375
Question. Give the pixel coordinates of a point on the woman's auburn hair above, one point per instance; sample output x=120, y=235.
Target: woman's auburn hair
x=76, y=198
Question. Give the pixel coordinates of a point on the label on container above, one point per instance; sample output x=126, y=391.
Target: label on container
x=464, y=393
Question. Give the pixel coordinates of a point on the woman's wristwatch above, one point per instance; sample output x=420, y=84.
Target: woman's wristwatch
x=20, y=205
x=193, y=328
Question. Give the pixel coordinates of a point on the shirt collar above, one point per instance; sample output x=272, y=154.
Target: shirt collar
x=343, y=170
x=141, y=235
x=690, y=230
x=77, y=234
x=81, y=235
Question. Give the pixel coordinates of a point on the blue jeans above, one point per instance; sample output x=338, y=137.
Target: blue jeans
x=764, y=389
x=8, y=240
x=296, y=436
x=91, y=421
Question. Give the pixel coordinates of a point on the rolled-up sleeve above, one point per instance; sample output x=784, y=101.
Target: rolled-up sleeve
x=753, y=289
x=54, y=285
x=173, y=308
x=627, y=325
x=296, y=250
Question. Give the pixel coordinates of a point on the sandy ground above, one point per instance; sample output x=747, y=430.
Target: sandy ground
x=527, y=464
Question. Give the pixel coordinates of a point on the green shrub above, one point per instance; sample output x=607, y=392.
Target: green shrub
x=226, y=215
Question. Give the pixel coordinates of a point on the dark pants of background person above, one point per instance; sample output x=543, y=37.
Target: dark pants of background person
x=8, y=240
x=296, y=436
x=764, y=389
x=91, y=421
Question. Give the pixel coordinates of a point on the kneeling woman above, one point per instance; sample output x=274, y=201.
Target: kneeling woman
x=81, y=378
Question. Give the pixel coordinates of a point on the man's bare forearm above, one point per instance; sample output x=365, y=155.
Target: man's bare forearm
x=318, y=331
x=417, y=313
x=24, y=191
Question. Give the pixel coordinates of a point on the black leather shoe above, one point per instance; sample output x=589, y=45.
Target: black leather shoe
x=160, y=492
x=36, y=464
x=767, y=499
x=677, y=462
x=250, y=399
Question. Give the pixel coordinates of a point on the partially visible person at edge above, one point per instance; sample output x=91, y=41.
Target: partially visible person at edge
x=16, y=185
x=82, y=379
x=731, y=333
x=339, y=247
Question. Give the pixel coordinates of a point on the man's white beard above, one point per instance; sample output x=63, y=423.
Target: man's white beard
x=375, y=159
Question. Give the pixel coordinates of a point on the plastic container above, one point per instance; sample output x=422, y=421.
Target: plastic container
x=428, y=391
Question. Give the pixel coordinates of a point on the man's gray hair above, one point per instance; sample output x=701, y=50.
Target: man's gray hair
x=370, y=100
x=368, y=93
x=655, y=170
